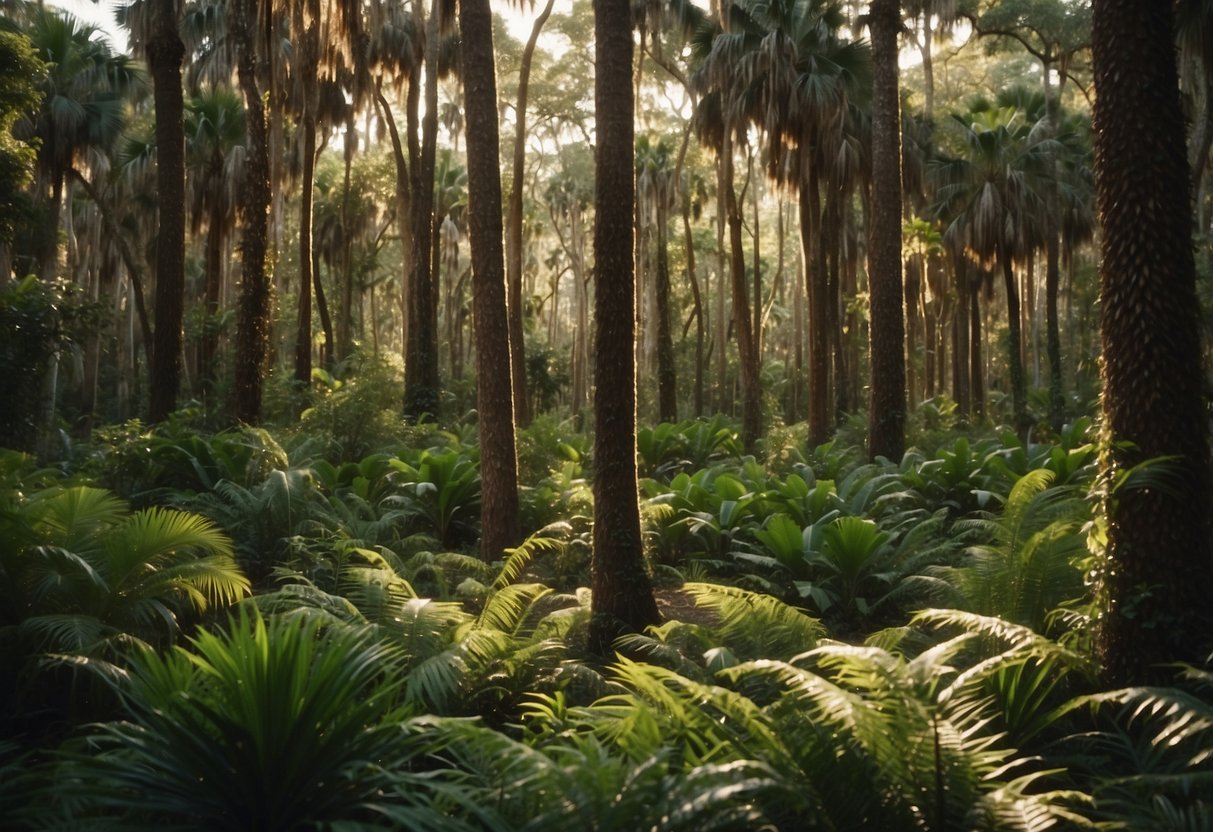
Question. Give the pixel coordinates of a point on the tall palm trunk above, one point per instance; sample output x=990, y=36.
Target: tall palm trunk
x=309, y=65
x=1156, y=574
x=421, y=361
x=165, y=52
x=494, y=394
x=622, y=594
x=253, y=321
x=815, y=286
x=887, y=409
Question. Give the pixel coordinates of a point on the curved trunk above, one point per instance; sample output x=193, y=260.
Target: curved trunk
x=622, y=594
x=693, y=279
x=165, y=52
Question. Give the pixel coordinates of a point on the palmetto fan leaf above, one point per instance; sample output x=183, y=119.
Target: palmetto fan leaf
x=276, y=725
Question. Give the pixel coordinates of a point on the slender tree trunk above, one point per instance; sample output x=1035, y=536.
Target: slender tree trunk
x=622, y=594
x=253, y=322
x=303, y=330
x=977, y=367
x=751, y=401
x=322, y=307
x=514, y=224
x=961, y=388
x=166, y=52
x=819, y=342
x=1156, y=574
x=887, y=409
x=1019, y=395
x=667, y=381
x=494, y=394
x=693, y=279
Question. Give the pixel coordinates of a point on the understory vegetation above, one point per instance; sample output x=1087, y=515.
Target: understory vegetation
x=256, y=629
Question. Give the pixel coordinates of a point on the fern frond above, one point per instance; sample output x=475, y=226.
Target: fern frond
x=754, y=624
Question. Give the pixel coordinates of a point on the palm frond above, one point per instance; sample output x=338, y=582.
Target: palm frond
x=754, y=624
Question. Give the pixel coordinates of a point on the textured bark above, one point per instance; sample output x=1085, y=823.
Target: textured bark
x=421, y=359
x=404, y=209
x=165, y=52
x=622, y=593
x=494, y=394
x=309, y=48
x=1154, y=582
x=819, y=341
x=887, y=405
x=253, y=318
x=522, y=409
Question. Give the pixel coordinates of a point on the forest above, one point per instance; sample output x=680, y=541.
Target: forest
x=680, y=415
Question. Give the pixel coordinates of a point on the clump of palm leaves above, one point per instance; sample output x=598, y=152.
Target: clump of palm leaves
x=82, y=579
x=275, y=725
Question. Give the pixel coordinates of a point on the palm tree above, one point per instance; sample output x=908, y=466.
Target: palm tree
x=252, y=333
x=782, y=67
x=991, y=199
x=1154, y=575
x=494, y=392
x=82, y=110
x=622, y=594
x=214, y=130
x=83, y=579
x=887, y=407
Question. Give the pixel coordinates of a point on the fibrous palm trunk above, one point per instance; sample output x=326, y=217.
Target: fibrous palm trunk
x=165, y=52
x=622, y=593
x=1155, y=577
x=887, y=408
x=494, y=394
x=253, y=321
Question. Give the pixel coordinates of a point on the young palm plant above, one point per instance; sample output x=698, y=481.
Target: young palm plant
x=83, y=578
x=279, y=725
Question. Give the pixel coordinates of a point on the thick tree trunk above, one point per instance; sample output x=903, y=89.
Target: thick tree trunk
x=622, y=594
x=253, y=321
x=165, y=52
x=887, y=409
x=1156, y=574
x=421, y=362
x=819, y=341
x=494, y=394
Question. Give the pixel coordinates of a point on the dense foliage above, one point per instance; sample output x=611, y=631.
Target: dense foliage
x=847, y=645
